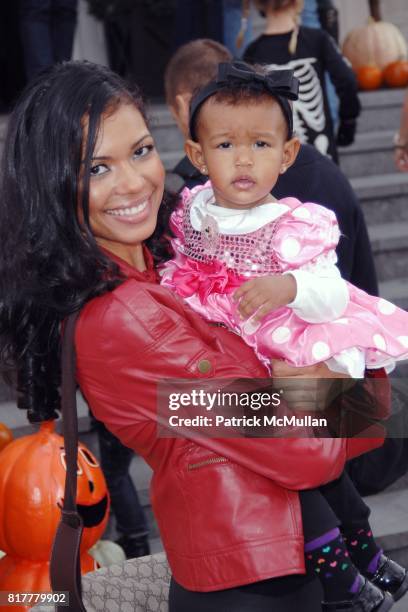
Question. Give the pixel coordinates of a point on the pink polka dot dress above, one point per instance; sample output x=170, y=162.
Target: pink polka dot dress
x=217, y=249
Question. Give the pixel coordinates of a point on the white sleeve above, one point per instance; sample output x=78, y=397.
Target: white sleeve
x=322, y=295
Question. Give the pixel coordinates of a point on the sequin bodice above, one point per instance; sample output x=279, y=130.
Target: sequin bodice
x=250, y=254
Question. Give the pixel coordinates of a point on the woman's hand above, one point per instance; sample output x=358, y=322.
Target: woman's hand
x=265, y=294
x=309, y=388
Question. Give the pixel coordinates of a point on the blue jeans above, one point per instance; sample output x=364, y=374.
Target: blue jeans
x=47, y=32
x=115, y=461
x=232, y=26
x=309, y=16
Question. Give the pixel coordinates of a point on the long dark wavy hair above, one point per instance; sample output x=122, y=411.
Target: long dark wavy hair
x=50, y=265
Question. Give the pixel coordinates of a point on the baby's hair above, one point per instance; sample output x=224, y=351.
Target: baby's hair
x=237, y=93
x=193, y=65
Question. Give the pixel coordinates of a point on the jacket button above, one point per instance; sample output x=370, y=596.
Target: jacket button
x=204, y=366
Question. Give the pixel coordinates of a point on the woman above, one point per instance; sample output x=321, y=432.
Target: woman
x=81, y=189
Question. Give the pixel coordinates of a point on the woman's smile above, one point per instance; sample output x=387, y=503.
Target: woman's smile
x=132, y=212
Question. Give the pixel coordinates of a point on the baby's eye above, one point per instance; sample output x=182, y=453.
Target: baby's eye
x=261, y=144
x=143, y=151
x=98, y=170
x=224, y=145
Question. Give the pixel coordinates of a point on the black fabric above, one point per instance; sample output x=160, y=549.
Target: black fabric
x=346, y=502
x=282, y=594
x=316, y=53
x=318, y=517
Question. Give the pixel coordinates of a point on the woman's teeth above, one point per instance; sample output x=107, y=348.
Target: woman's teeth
x=128, y=212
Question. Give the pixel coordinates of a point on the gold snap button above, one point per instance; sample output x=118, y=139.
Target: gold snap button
x=204, y=366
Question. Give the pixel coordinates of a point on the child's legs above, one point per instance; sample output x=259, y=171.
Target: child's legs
x=346, y=503
x=326, y=554
x=318, y=517
x=353, y=513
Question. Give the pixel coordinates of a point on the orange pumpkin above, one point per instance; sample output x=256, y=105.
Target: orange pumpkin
x=369, y=77
x=5, y=436
x=378, y=43
x=32, y=476
x=396, y=74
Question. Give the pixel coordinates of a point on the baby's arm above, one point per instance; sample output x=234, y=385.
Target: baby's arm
x=311, y=284
x=316, y=296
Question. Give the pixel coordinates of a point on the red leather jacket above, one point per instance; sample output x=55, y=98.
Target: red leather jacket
x=227, y=509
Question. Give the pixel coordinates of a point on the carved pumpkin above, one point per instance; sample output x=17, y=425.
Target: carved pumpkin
x=5, y=436
x=378, y=43
x=369, y=77
x=32, y=477
x=396, y=74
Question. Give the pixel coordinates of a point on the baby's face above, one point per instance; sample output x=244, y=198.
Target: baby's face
x=245, y=149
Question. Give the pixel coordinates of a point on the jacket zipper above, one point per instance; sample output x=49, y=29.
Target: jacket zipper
x=196, y=466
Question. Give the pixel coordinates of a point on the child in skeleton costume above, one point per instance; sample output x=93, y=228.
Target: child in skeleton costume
x=295, y=306
x=310, y=52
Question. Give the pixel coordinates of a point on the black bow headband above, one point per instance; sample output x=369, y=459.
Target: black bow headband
x=281, y=84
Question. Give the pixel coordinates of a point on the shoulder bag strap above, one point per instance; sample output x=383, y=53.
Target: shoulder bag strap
x=65, y=570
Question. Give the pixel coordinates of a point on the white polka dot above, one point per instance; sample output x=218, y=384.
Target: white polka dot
x=320, y=350
x=403, y=340
x=290, y=247
x=379, y=341
x=342, y=321
x=301, y=212
x=385, y=307
x=251, y=326
x=281, y=335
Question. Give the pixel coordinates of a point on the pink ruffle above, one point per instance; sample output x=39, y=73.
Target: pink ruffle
x=203, y=279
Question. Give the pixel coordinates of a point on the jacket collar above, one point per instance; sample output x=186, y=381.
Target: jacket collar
x=147, y=276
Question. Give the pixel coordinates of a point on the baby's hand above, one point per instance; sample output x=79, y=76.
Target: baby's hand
x=265, y=294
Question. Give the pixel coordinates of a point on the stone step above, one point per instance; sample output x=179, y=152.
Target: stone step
x=381, y=110
x=383, y=197
x=164, y=129
x=390, y=247
x=371, y=154
x=396, y=291
x=389, y=520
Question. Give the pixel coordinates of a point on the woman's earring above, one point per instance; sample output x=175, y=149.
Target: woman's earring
x=204, y=170
x=283, y=169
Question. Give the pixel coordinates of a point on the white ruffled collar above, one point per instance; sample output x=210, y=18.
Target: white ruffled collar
x=231, y=220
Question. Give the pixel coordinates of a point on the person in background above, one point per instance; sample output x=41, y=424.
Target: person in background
x=130, y=517
x=237, y=25
x=323, y=14
x=196, y=19
x=401, y=139
x=47, y=30
x=310, y=52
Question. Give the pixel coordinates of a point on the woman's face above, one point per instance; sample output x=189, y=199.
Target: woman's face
x=126, y=183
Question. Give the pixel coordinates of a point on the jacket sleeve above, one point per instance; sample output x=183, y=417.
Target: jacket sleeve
x=145, y=335
x=342, y=76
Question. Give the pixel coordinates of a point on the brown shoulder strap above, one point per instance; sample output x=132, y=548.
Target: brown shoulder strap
x=65, y=570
